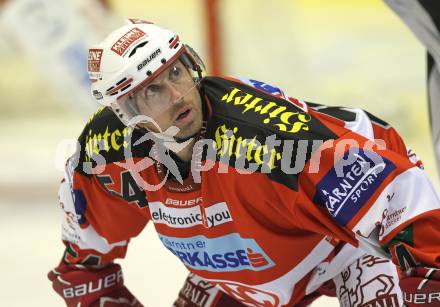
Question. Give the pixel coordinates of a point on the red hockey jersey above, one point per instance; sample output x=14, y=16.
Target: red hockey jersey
x=275, y=185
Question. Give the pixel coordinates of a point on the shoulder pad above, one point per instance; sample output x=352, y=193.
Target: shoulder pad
x=105, y=138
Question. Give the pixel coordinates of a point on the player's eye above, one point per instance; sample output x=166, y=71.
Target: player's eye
x=152, y=90
x=175, y=73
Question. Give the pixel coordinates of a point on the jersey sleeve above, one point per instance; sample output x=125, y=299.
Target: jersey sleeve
x=371, y=196
x=97, y=226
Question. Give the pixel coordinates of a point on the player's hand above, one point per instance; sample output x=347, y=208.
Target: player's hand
x=421, y=287
x=92, y=287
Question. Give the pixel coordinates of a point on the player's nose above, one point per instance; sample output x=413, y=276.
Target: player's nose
x=174, y=93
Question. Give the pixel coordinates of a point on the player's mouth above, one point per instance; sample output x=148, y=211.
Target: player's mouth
x=185, y=116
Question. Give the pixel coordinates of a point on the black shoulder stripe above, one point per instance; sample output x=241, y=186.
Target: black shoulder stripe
x=336, y=112
x=378, y=121
x=345, y=114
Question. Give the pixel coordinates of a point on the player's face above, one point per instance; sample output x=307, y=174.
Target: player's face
x=172, y=99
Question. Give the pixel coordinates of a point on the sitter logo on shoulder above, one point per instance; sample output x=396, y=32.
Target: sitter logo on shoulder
x=216, y=214
x=230, y=253
x=345, y=189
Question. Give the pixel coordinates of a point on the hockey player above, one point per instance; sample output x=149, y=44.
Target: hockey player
x=266, y=199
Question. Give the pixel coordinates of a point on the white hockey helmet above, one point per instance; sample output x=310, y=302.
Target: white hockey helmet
x=131, y=57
